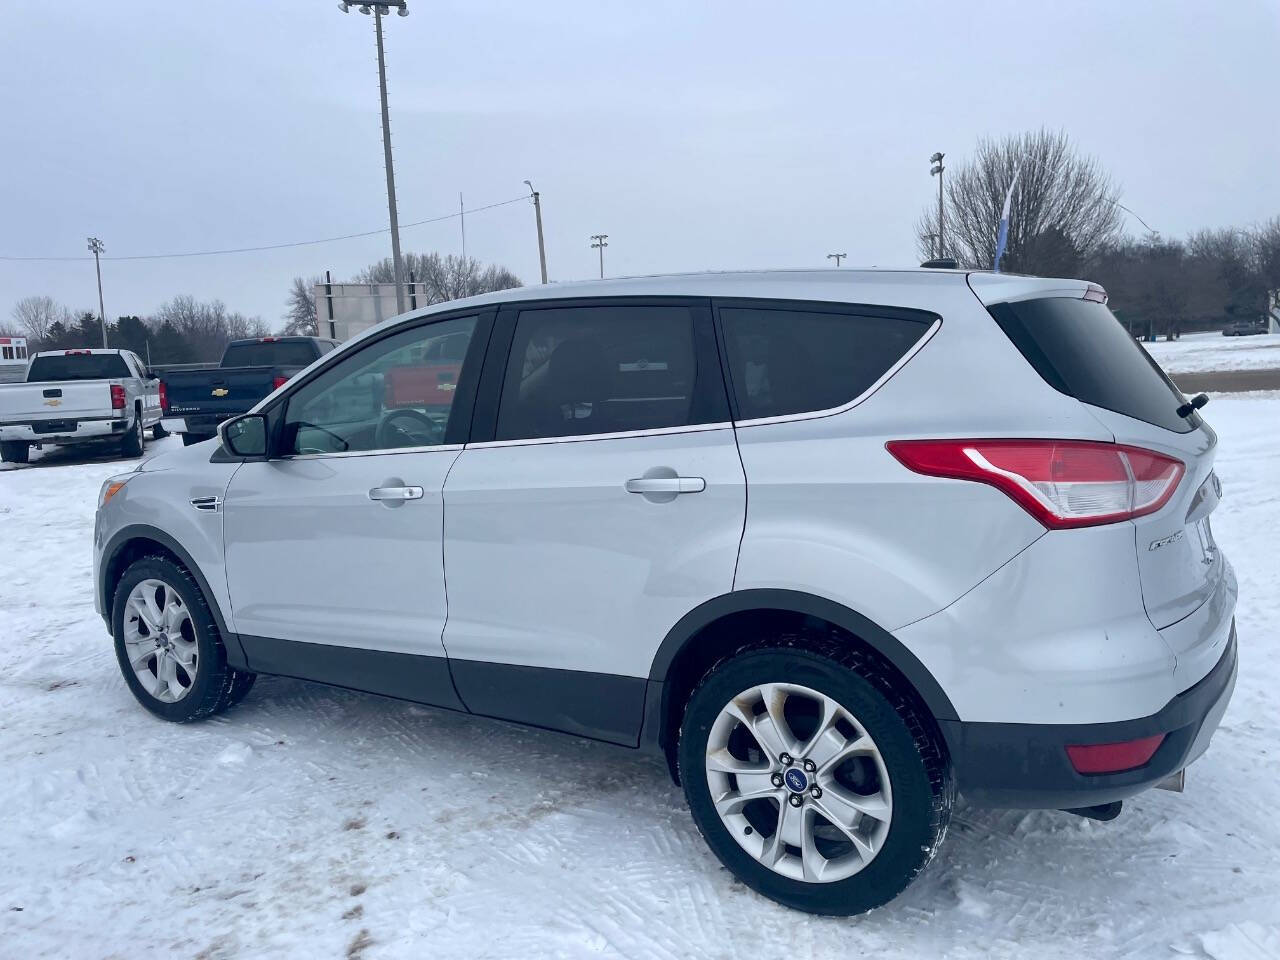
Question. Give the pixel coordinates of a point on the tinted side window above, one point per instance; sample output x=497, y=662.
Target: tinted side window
x=575, y=371
x=288, y=353
x=785, y=361
x=1082, y=350
x=393, y=393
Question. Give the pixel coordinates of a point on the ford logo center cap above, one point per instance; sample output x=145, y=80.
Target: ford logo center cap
x=796, y=781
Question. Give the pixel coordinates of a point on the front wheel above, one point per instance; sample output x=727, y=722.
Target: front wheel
x=158, y=432
x=813, y=778
x=168, y=645
x=134, y=440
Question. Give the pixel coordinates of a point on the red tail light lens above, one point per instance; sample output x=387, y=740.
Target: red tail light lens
x=279, y=382
x=164, y=398
x=1062, y=483
x=117, y=397
x=1114, y=757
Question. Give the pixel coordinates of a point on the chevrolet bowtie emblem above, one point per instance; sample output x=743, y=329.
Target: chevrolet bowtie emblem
x=220, y=391
x=52, y=402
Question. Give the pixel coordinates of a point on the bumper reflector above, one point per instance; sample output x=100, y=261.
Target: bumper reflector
x=1113, y=757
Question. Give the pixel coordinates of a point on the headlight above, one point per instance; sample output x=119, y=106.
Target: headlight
x=112, y=486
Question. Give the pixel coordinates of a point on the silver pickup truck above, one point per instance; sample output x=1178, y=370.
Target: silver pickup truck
x=79, y=397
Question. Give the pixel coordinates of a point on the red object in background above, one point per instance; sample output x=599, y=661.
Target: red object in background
x=279, y=382
x=426, y=385
x=164, y=398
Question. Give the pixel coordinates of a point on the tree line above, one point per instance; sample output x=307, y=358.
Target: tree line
x=187, y=330
x=1066, y=220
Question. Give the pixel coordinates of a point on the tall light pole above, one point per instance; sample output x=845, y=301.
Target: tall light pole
x=96, y=247
x=598, y=243
x=378, y=9
x=936, y=170
x=537, y=212
x=837, y=257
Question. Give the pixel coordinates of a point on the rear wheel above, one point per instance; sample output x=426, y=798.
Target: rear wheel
x=134, y=441
x=15, y=451
x=812, y=778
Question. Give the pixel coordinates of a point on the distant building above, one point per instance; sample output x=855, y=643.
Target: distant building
x=13, y=359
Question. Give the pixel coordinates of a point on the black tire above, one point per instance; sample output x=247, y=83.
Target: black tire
x=215, y=683
x=241, y=684
x=192, y=438
x=135, y=440
x=158, y=432
x=15, y=451
x=920, y=777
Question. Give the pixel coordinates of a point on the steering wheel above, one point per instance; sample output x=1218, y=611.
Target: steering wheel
x=408, y=428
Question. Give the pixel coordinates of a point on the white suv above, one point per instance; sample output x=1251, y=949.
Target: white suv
x=836, y=544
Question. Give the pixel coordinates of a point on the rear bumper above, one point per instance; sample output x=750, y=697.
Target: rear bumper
x=1026, y=765
x=202, y=425
x=69, y=431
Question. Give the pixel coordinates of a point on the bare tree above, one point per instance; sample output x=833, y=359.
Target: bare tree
x=206, y=327
x=1064, y=206
x=300, y=313
x=443, y=278
x=35, y=315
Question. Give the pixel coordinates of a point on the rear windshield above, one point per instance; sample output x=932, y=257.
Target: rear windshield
x=1082, y=350
x=287, y=353
x=78, y=366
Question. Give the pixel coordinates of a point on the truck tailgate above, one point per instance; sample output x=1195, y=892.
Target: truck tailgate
x=217, y=391
x=55, y=400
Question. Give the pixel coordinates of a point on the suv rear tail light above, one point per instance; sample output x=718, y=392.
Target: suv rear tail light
x=279, y=382
x=117, y=397
x=164, y=398
x=1114, y=757
x=1062, y=483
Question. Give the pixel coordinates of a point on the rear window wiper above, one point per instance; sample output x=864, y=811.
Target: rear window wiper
x=1192, y=405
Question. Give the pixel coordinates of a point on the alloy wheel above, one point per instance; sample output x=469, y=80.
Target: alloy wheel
x=160, y=641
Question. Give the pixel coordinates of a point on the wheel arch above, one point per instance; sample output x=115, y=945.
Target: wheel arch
x=139, y=540
x=717, y=627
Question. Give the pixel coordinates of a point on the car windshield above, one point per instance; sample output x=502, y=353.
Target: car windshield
x=78, y=366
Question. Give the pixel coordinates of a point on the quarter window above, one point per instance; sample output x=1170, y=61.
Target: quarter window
x=786, y=361
x=611, y=368
x=395, y=393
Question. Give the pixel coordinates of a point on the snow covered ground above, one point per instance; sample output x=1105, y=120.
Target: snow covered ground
x=1197, y=352
x=314, y=822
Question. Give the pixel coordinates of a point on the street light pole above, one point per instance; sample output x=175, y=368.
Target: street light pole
x=378, y=9
x=936, y=170
x=537, y=212
x=96, y=247
x=837, y=257
x=599, y=244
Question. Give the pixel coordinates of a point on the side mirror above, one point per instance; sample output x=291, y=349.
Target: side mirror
x=245, y=436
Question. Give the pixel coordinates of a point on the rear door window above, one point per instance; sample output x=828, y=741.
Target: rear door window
x=607, y=368
x=1082, y=350
x=78, y=366
x=791, y=360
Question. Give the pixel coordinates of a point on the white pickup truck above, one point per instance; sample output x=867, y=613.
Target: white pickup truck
x=79, y=397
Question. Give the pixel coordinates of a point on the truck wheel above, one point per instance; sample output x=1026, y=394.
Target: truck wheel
x=191, y=438
x=813, y=778
x=15, y=451
x=168, y=645
x=158, y=432
x=134, y=441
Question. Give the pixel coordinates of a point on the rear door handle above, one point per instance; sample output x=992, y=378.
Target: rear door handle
x=666, y=485
x=395, y=493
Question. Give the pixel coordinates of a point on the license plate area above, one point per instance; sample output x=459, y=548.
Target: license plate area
x=54, y=426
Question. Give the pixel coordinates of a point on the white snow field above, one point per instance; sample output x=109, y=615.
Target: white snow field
x=314, y=822
x=1200, y=352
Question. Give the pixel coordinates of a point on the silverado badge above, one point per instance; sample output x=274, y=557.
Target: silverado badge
x=220, y=391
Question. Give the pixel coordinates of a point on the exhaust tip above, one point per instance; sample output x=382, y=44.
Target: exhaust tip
x=1103, y=812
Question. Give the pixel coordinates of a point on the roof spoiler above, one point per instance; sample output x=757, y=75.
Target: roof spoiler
x=941, y=263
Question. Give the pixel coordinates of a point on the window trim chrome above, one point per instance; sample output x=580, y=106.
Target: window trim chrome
x=382, y=452
x=620, y=435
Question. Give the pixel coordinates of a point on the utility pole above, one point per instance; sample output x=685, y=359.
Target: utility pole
x=378, y=9
x=599, y=244
x=837, y=257
x=537, y=212
x=936, y=171
x=96, y=247
x=462, y=218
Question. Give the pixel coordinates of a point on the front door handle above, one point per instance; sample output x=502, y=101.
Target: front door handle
x=395, y=493
x=666, y=485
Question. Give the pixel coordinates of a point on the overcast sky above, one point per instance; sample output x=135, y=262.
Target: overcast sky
x=697, y=135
